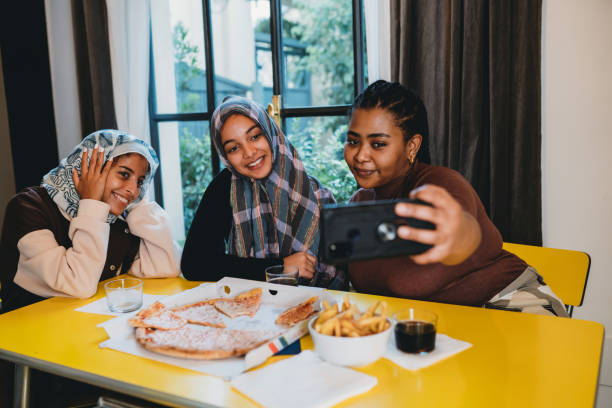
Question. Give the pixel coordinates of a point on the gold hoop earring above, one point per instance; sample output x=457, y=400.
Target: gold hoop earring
x=411, y=161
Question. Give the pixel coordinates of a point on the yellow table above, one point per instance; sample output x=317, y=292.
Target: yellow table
x=517, y=360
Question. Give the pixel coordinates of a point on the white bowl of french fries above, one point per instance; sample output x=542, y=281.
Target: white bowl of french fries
x=345, y=336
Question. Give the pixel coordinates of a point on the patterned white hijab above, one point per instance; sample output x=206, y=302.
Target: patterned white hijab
x=58, y=182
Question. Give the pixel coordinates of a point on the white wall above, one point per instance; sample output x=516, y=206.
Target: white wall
x=576, y=149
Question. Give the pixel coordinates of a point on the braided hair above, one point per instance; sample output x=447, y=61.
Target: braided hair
x=404, y=105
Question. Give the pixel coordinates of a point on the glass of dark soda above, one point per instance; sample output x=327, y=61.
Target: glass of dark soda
x=415, y=330
x=282, y=275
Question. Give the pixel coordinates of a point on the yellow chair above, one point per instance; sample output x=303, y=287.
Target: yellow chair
x=565, y=271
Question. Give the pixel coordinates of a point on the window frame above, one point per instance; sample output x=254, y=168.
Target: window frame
x=278, y=81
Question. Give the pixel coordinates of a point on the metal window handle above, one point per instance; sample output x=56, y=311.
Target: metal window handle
x=274, y=109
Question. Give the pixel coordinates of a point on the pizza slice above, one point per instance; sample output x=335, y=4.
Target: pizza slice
x=201, y=342
x=202, y=313
x=245, y=304
x=297, y=313
x=157, y=316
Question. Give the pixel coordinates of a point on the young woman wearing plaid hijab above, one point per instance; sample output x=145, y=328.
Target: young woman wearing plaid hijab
x=261, y=210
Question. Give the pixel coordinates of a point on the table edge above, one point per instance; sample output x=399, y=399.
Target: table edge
x=149, y=394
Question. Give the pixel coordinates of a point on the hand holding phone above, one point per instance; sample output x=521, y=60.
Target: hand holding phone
x=366, y=230
x=457, y=234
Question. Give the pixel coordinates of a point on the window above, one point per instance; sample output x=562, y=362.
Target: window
x=310, y=52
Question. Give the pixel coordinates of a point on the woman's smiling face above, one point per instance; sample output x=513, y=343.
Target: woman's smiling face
x=375, y=148
x=124, y=181
x=246, y=147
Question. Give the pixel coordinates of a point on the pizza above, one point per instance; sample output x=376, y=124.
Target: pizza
x=297, y=313
x=245, y=304
x=198, y=330
x=203, y=313
x=157, y=316
x=200, y=342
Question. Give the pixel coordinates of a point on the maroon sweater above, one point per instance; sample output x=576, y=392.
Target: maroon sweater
x=473, y=282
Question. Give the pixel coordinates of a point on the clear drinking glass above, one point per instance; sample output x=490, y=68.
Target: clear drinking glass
x=123, y=295
x=282, y=275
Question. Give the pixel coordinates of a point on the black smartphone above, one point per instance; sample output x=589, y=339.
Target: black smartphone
x=367, y=230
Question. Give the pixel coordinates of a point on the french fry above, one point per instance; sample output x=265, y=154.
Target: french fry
x=348, y=330
x=371, y=309
x=366, y=321
x=348, y=325
x=328, y=326
x=349, y=313
x=346, y=304
x=337, y=331
x=345, y=320
x=383, y=307
x=377, y=326
x=326, y=315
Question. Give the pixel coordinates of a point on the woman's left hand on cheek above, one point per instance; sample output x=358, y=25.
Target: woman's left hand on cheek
x=446, y=214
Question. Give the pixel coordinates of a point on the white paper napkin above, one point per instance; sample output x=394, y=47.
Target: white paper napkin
x=303, y=380
x=445, y=347
x=101, y=307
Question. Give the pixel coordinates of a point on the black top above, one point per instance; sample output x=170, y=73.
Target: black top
x=204, y=257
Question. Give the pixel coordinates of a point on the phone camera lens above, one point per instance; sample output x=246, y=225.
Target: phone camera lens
x=340, y=249
x=386, y=231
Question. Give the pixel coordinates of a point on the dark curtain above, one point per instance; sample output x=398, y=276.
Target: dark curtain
x=476, y=64
x=89, y=21
x=28, y=92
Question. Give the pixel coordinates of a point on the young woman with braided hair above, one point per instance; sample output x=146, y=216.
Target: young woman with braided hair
x=387, y=151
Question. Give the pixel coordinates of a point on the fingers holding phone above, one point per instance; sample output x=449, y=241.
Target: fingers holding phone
x=457, y=233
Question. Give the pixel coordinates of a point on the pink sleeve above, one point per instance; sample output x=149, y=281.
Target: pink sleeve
x=47, y=269
x=158, y=255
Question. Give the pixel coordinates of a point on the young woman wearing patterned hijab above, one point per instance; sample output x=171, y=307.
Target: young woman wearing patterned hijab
x=87, y=221
x=261, y=210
